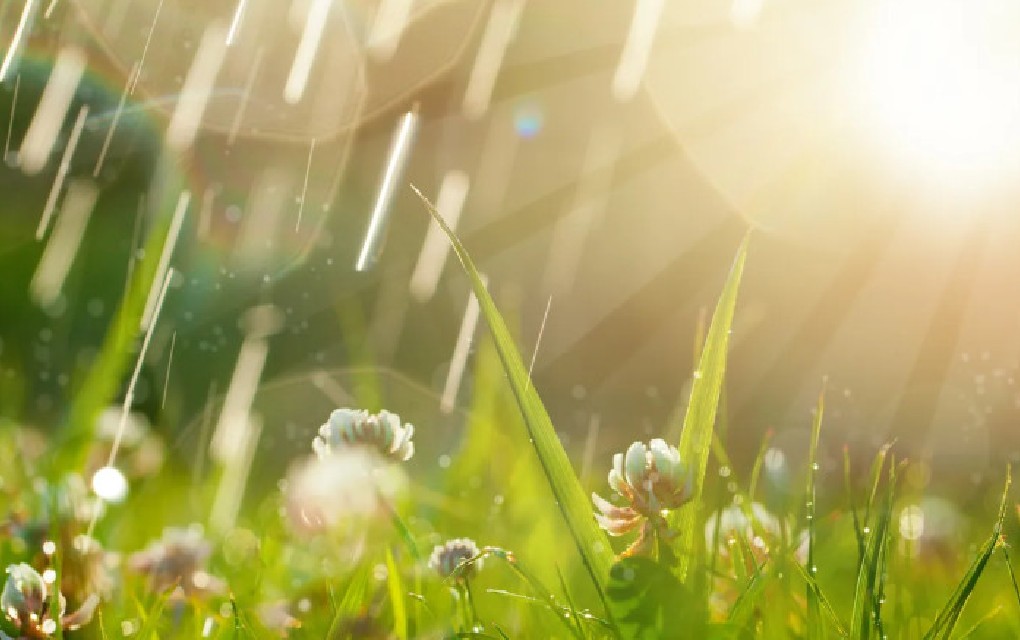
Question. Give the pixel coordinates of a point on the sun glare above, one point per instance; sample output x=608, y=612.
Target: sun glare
x=941, y=82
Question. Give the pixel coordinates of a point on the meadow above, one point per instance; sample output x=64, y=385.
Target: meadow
x=505, y=541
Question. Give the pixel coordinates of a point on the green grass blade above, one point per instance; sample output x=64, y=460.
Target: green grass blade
x=1012, y=574
x=395, y=587
x=759, y=462
x=950, y=613
x=823, y=601
x=699, y=422
x=858, y=532
x=748, y=600
x=574, y=504
x=865, y=615
x=814, y=626
x=877, y=466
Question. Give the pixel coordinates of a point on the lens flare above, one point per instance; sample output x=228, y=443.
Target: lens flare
x=941, y=82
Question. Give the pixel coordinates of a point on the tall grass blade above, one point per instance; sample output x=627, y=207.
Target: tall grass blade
x=851, y=506
x=823, y=601
x=950, y=613
x=395, y=588
x=748, y=600
x=574, y=504
x=759, y=462
x=865, y=615
x=1012, y=574
x=814, y=626
x=699, y=422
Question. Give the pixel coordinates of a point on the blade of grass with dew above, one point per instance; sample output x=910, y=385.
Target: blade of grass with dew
x=571, y=608
x=848, y=484
x=748, y=599
x=877, y=466
x=823, y=601
x=882, y=564
x=950, y=613
x=814, y=627
x=864, y=594
x=574, y=504
x=699, y=421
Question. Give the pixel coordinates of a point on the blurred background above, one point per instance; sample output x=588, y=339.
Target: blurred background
x=602, y=164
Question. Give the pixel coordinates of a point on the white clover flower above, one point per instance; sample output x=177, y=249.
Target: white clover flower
x=25, y=597
x=651, y=479
x=745, y=537
x=448, y=556
x=382, y=432
x=25, y=601
x=178, y=560
x=761, y=531
x=346, y=486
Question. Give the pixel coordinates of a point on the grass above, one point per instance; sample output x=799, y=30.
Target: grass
x=832, y=562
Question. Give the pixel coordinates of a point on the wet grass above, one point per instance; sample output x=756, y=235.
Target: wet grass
x=729, y=562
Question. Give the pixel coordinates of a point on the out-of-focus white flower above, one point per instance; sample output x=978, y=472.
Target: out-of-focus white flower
x=651, y=479
x=26, y=601
x=97, y=565
x=746, y=535
x=73, y=498
x=178, y=560
x=448, y=556
x=276, y=617
x=351, y=483
x=382, y=432
x=141, y=451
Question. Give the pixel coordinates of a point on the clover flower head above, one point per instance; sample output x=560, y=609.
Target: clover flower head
x=276, y=616
x=448, y=556
x=754, y=525
x=651, y=479
x=25, y=597
x=745, y=536
x=26, y=602
x=178, y=560
x=353, y=427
